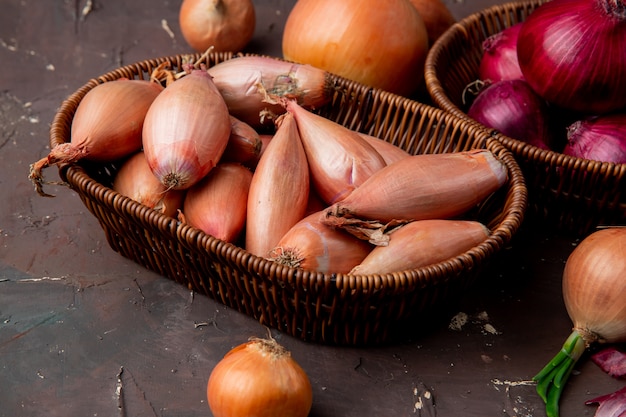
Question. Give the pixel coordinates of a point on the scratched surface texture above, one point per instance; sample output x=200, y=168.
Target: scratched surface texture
x=86, y=332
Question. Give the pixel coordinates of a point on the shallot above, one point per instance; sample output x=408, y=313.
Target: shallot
x=245, y=82
x=340, y=159
x=424, y=186
x=217, y=203
x=136, y=180
x=279, y=192
x=311, y=245
x=106, y=127
x=186, y=130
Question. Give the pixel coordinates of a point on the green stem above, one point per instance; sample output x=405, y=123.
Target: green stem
x=552, y=378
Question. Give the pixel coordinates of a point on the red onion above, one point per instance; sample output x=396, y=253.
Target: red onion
x=601, y=138
x=573, y=54
x=514, y=109
x=499, y=60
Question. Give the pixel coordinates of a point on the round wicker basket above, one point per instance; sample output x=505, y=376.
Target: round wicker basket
x=566, y=194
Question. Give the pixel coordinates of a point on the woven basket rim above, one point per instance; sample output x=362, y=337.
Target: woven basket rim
x=459, y=31
x=77, y=177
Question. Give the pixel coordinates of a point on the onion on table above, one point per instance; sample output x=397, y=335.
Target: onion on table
x=259, y=378
x=380, y=45
x=106, y=127
x=594, y=290
x=225, y=25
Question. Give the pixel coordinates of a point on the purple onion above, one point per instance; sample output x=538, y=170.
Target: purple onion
x=573, y=54
x=499, y=60
x=601, y=138
x=514, y=109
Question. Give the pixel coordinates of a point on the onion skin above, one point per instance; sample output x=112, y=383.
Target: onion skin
x=573, y=54
x=136, y=180
x=594, y=290
x=383, y=46
x=279, y=192
x=311, y=245
x=421, y=243
x=106, y=127
x=499, y=61
x=259, y=378
x=340, y=159
x=514, y=109
x=425, y=186
x=244, y=82
x=217, y=204
x=186, y=130
x=225, y=25
x=600, y=138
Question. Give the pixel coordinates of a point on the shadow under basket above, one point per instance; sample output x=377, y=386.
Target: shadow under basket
x=567, y=195
x=336, y=309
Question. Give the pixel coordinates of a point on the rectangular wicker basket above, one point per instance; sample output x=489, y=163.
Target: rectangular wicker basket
x=326, y=308
x=566, y=194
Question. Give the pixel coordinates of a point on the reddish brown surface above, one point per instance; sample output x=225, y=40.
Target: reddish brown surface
x=86, y=332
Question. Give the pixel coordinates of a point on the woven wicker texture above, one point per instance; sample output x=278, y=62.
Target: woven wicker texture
x=325, y=308
x=569, y=195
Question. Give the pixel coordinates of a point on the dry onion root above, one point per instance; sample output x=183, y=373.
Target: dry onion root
x=259, y=378
x=106, y=127
x=594, y=290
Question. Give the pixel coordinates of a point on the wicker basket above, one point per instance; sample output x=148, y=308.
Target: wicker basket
x=569, y=195
x=326, y=308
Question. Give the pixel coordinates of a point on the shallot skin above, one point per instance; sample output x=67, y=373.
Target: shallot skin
x=186, y=130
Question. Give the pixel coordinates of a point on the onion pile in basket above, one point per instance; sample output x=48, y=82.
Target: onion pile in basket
x=556, y=80
x=316, y=195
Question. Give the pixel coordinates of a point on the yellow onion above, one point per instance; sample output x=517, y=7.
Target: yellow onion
x=279, y=191
x=225, y=25
x=136, y=180
x=217, y=203
x=340, y=160
x=259, y=378
x=436, y=15
x=311, y=245
x=244, y=144
x=106, y=127
x=425, y=186
x=186, y=130
x=594, y=290
x=421, y=243
x=383, y=45
x=245, y=81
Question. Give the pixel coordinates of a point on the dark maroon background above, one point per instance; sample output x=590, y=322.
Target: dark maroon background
x=73, y=313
